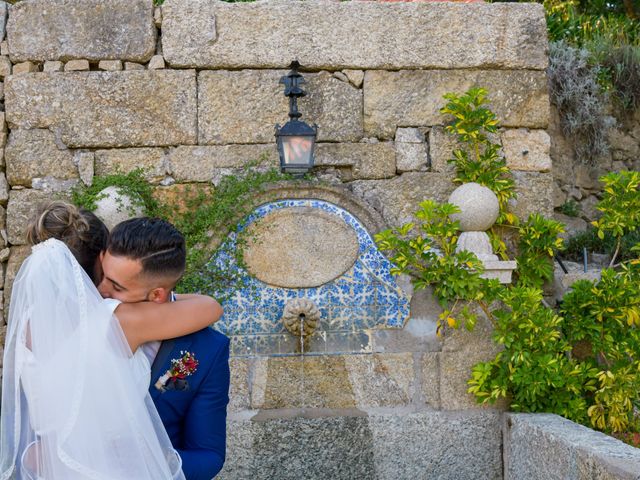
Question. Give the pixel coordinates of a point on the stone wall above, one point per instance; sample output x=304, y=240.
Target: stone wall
x=190, y=92
x=544, y=446
x=576, y=181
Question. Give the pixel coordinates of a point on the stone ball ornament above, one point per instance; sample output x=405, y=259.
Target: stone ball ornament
x=479, y=207
x=114, y=206
x=301, y=317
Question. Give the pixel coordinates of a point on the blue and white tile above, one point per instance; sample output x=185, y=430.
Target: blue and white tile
x=258, y=308
x=340, y=319
x=241, y=345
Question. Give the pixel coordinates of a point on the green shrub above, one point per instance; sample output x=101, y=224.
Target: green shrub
x=620, y=207
x=594, y=52
x=581, y=361
x=590, y=29
x=427, y=253
x=538, y=242
x=604, y=317
x=533, y=370
x=589, y=239
x=479, y=159
x=570, y=208
x=623, y=67
x=599, y=322
x=581, y=22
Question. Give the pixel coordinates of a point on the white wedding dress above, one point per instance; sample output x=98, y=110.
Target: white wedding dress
x=75, y=404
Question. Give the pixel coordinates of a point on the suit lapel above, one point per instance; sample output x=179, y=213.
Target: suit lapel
x=161, y=358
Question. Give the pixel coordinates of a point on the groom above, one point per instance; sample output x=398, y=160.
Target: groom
x=144, y=260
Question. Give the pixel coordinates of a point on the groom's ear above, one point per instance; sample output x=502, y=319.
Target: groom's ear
x=159, y=295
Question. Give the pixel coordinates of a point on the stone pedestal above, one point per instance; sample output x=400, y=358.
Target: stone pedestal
x=478, y=243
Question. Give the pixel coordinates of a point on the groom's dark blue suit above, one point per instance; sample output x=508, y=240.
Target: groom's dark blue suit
x=195, y=418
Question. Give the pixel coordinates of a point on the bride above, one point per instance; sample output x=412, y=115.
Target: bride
x=75, y=402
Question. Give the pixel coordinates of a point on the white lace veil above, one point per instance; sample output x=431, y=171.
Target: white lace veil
x=74, y=405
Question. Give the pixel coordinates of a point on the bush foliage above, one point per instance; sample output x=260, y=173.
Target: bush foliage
x=581, y=360
x=594, y=57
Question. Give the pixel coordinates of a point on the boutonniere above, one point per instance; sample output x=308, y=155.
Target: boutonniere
x=174, y=378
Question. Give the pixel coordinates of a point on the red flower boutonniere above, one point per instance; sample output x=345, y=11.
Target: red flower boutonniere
x=174, y=378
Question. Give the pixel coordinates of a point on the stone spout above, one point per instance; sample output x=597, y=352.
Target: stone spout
x=301, y=317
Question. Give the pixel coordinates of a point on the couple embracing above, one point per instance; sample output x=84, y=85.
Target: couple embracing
x=107, y=374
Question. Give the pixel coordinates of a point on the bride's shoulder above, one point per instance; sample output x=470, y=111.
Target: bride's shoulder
x=52, y=255
x=111, y=303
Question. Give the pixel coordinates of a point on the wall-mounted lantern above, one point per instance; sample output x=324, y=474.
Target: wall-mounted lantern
x=295, y=139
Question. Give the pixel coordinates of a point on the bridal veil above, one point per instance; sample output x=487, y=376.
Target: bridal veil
x=74, y=404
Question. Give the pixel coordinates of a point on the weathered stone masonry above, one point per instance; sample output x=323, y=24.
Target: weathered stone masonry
x=190, y=92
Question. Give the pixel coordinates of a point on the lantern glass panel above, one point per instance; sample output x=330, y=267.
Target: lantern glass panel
x=296, y=150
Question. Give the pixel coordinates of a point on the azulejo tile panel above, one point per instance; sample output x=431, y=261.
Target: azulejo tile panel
x=364, y=298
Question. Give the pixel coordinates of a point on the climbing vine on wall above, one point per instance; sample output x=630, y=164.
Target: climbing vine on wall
x=205, y=217
x=132, y=184
x=211, y=218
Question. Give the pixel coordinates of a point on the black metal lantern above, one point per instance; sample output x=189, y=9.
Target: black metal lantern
x=295, y=139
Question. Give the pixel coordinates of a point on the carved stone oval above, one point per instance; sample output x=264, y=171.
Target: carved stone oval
x=300, y=247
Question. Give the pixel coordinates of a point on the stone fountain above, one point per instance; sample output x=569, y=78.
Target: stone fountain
x=313, y=273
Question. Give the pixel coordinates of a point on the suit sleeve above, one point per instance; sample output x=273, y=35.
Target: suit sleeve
x=204, y=440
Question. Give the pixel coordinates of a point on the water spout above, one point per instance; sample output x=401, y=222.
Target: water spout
x=301, y=317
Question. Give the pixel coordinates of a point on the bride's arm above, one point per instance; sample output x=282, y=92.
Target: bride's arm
x=146, y=321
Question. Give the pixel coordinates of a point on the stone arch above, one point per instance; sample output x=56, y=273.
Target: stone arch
x=335, y=194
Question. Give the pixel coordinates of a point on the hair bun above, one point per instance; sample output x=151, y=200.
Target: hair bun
x=77, y=222
x=61, y=220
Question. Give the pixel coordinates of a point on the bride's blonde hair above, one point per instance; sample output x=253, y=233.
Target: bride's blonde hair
x=59, y=220
x=84, y=233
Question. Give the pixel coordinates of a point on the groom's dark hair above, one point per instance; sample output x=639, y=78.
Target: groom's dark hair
x=156, y=243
